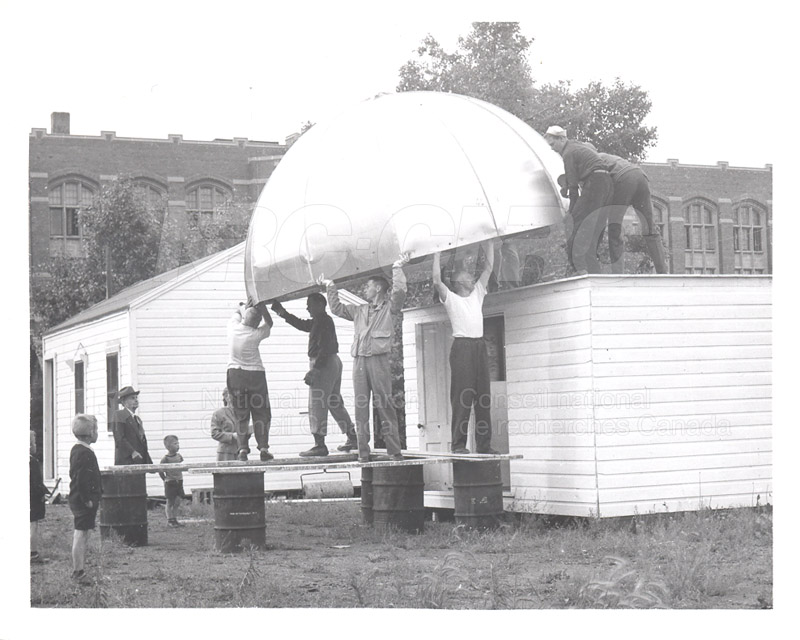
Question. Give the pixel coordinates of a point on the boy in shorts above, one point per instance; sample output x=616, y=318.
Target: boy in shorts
x=84, y=490
x=173, y=480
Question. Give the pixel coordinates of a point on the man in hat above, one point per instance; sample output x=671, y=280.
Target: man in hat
x=372, y=343
x=590, y=190
x=130, y=443
x=324, y=378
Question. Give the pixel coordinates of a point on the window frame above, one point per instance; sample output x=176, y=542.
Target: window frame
x=707, y=224
x=111, y=393
x=79, y=386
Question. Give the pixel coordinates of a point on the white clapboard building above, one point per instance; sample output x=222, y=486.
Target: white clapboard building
x=167, y=338
x=624, y=394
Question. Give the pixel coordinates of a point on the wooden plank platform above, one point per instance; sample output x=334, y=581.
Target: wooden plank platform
x=309, y=466
x=332, y=461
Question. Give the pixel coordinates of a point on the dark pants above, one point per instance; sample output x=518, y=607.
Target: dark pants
x=373, y=375
x=326, y=396
x=632, y=189
x=588, y=221
x=250, y=397
x=469, y=385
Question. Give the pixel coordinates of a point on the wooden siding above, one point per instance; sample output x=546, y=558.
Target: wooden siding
x=182, y=357
x=634, y=394
x=682, y=379
x=104, y=336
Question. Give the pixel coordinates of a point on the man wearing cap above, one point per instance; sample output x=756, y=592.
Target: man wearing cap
x=631, y=189
x=372, y=343
x=246, y=378
x=130, y=443
x=324, y=378
x=584, y=169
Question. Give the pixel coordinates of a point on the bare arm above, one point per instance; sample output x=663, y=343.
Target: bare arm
x=488, y=251
x=440, y=286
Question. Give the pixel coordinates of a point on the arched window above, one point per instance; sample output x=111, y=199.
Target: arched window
x=204, y=200
x=660, y=220
x=66, y=201
x=748, y=229
x=700, y=225
x=151, y=192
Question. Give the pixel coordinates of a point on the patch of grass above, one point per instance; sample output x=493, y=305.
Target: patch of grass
x=700, y=560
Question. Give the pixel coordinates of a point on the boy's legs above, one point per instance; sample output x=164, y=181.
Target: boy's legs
x=80, y=541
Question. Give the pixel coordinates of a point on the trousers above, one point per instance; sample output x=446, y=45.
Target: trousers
x=470, y=386
x=372, y=375
x=632, y=189
x=250, y=398
x=326, y=396
x=588, y=221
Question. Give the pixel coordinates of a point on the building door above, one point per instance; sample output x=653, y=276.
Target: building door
x=433, y=390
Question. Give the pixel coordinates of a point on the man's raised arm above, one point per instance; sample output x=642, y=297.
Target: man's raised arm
x=440, y=286
x=488, y=252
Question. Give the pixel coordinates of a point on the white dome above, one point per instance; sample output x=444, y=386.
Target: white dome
x=418, y=172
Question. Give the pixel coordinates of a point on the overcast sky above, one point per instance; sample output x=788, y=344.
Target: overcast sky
x=219, y=70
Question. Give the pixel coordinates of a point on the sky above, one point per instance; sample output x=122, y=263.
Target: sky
x=259, y=70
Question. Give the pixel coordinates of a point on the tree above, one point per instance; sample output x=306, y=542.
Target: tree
x=491, y=64
x=126, y=239
x=610, y=117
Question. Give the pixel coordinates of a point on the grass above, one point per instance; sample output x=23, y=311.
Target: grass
x=322, y=556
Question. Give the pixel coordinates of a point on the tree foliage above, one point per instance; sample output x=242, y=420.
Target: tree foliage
x=127, y=238
x=491, y=63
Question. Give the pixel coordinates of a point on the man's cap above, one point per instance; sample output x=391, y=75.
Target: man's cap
x=555, y=130
x=125, y=392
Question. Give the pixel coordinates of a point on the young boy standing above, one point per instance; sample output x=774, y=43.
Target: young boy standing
x=173, y=480
x=38, y=496
x=224, y=425
x=84, y=490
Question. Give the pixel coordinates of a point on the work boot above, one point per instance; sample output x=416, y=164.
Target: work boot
x=319, y=448
x=266, y=456
x=655, y=248
x=489, y=451
x=352, y=441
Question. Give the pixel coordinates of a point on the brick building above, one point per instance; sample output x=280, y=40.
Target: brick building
x=714, y=219
x=194, y=178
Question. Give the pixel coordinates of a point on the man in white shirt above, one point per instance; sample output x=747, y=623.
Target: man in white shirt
x=246, y=379
x=469, y=362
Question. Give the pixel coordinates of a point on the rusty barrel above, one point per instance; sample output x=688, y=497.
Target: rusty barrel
x=239, y=519
x=366, y=495
x=123, y=507
x=398, y=498
x=478, y=493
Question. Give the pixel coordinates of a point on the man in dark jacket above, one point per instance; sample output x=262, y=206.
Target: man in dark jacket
x=324, y=378
x=130, y=443
x=590, y=189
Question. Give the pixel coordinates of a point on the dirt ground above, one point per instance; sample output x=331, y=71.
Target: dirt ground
x=322, y=555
